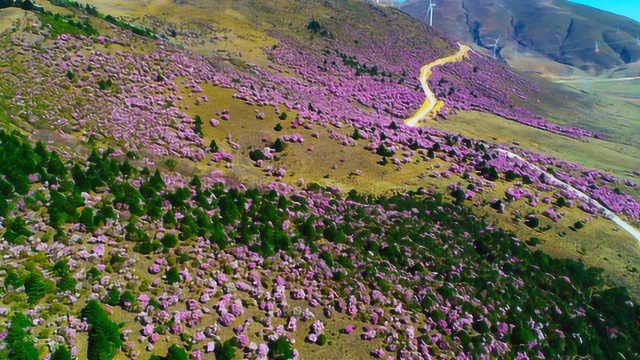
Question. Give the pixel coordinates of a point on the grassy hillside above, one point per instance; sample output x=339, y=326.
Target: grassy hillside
x=237, y=179
x=562, y=31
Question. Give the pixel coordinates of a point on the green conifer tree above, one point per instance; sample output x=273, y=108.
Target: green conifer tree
x=176, y=353
x=61, y=353
x=104, y=334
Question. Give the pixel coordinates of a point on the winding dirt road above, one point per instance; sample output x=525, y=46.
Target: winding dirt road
x=430, y=104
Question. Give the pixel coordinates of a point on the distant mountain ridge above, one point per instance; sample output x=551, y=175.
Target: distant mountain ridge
x=583, y=37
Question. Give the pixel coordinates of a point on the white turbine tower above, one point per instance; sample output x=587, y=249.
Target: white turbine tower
x=495, y=47
x=597, y=48
x=430, y=12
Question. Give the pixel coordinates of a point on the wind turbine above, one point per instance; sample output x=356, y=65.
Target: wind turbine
x=597, y=48
x=430, y=12
x=495, y=46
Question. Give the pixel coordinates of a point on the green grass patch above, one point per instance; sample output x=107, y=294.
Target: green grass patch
x=65, y=25
x=239, y=63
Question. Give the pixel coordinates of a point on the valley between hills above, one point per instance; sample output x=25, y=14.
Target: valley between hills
x=265, y=180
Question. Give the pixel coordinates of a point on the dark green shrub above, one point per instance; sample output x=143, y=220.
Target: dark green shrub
x=156, y=181
x=521, y=335
x=172, y=275
x=481, y=326
x=66, y=283
x=127, y=299
x=169, y=218
x=6, y=189
x=279, y=145
x=197, y=126
x=147, y=247
x=86, y=218
x=12, y=279
x=104, y=85
x=219, y=237
x=491, y=173
x=36, y=287
x=116, y=261
x=195, y=182
x=314, y=26
x=322, y=339
x=561, y=202
x=532, y=222
x=16, y=230
x=465, y=339
x=510, y=175
x=280, y=349
x=61, y=353
x=256, y=155
x=169, y=240
x=226, y=350
x=533, y=241
x=383, y=151
x=339, y=276
x=93, y=274
x=213, y=147
x=21, y=183
x=176, y=353
x=458, y=196
x=113, y=297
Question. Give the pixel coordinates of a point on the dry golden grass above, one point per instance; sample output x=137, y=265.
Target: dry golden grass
x=237, y=32
x=600, y=112
x=537, y=64
x=598, y=244
x=330, y=163
x=220, y=27
x=607, y=156
x=11, y=17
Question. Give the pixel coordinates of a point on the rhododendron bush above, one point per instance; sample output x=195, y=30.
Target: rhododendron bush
x=417, y=274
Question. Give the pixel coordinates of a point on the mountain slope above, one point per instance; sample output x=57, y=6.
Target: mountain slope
x=559, y=30
x=247, y=184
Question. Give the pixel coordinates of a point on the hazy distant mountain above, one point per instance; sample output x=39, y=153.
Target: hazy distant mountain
x=568, y=33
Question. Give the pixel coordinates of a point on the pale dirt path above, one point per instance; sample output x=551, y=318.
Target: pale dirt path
x=606, y=212
x=430, y=102
x=594, y=80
